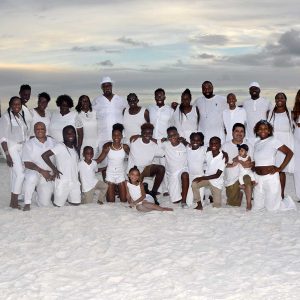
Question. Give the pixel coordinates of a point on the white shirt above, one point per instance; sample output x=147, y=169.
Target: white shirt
x=90, y=129
x=232, y=173
x=27, y=116
x=161, y=118
x=265, y=151
x=33, y=150
x=66, y=162
x=232, y=116
x=58, y=122
x=256, y=110
x=213, y=165
x=133, y=123
x=195, y=159
x=87, y=175
x=108, y=113
x=37, y=118
x=211, y=121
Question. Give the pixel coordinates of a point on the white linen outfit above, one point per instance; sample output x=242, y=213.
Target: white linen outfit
x=67, y=187
x=136, y=193
x=244, y=171
x=297, y=158
x=14, y=132
x=186, y=123
x=32, y=151
x=90, y=131
x=115, y=172
x=28, y=118
x=37, y=118
x=176, y=164
x=133, y=123
x=283, y=131
x=256, y=110
x=232, y=116
x=211, y=121
x=267, y=192
x=59, y=121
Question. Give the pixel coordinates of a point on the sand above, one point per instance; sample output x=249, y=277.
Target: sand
x=114, y=252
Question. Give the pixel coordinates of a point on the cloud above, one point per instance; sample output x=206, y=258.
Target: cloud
x=113, y=51
x=204, y=56
x=210, y=39
x=132, y=42
x=87, y=49
x=106, y=63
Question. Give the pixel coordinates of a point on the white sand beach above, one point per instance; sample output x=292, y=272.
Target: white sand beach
x=114, y=252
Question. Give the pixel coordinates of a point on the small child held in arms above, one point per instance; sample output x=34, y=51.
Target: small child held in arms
x=89, y=182
x=136, y=195
x=241, y=158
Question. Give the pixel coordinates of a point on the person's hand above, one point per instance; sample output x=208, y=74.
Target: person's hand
x=134, y=138
x=174, y=105
x=274, y=170
x=57, y=173
x=9, y=160
x=46, y=174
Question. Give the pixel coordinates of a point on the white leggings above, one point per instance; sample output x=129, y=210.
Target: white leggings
x=44, y=188
x=17, y=170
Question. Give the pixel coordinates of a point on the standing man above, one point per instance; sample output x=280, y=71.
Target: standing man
x=109, y=111
x=25, y=93
x=211, y=108
x=257, y=108
x=233, y=191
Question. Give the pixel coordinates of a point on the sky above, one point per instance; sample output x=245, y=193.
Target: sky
x=66, y=47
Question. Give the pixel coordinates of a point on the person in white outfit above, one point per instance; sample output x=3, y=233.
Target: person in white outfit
x=233, y=114
x=281, y=120
x=211, y=108
x=134, y=117
x=67, y=185
x=186, y=116
x=296, y=120
x=115, y=152
x=25, y=93
x=257, y=108
x=40, y=113
x=37, y=173
x=89, y=124
x=267, y=192
x=13, y=134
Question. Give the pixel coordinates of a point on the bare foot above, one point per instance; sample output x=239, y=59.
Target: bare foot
x=249, y=207
x=166, y=194
x=199, y=206
x=26, y=207
x=167, y=209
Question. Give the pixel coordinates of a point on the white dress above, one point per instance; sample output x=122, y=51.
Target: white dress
x=37, y=118
x=297, y=158
x=135, y=193
x=283, y=131
x=132, y=123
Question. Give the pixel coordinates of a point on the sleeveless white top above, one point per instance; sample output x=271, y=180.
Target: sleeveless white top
x=134, y=191
x=132, y=123
x=115, y=163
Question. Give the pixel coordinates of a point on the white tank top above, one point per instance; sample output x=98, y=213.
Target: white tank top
x=132, y=123
x=115, y=163
x=134, y=191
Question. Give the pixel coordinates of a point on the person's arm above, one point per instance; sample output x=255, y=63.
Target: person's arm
x=9, y=160
x=126, y=148
x=32, y=166
x=80, y=138
x=183, y=141
x=146, y=116
x=46, y=157
x=104, y=152
x=198, y=115
x=288, y=156
x=209, y=177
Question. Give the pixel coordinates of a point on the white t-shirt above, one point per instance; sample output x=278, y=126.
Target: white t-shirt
x=230, y=117
x=66, y=162
x=133, y=123
x=37, y=118
x=211, y=121
x=213, y=165
x=87, y=175
x=108, y=113
x=161, y=118
x=256, y=110
x=33, y=150
x=90, y=129
x=58, y=122
x=27, y=116
x=265, y=151
x=195, y=159
x=232, y=174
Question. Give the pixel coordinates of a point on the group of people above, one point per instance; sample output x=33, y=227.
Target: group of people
x=188, y=148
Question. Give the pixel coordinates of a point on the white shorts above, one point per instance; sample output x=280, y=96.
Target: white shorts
x=66, y=190
x=148, y=198
x=174, y=185
x=114, y=178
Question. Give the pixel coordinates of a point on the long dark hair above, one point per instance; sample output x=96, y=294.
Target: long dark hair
x=79, y=104
x=296, y=108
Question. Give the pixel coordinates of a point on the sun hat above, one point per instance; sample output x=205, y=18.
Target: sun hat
x=106, y=79
x=254, y=83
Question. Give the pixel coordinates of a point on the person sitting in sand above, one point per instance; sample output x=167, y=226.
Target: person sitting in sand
x=136, y=196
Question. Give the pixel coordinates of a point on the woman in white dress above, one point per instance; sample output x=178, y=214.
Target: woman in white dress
x=14, y=132
x=40, y=113
x=296, y=119
x=281, y=120
x=89, y=121
x=186, y=116
x=134, y=117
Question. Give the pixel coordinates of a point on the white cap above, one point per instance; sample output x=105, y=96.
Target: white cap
x=254, y=84
x=106, y=79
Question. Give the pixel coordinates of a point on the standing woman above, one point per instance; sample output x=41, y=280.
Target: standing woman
x=186, y=116
x=40, y=113
x=281, y=121
x=89, y=121
x=296, y=119
x=134, y=117
x=267, y=192
x=13, y=134
x=63, y=118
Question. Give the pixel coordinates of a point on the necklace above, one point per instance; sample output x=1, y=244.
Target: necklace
x=112, y=147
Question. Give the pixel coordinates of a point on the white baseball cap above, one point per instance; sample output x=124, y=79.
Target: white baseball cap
x=106, y=79
x=254, y=84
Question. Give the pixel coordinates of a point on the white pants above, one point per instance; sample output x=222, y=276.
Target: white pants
x=174, y=182
x=44, y=188
x=17, y=170
x=267, y=194
x=66, y=190
x=190, y=196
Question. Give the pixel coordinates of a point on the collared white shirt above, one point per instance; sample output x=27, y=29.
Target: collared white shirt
x=213, y=165
x=87, y=174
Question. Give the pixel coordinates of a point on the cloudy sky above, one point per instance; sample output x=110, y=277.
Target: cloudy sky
x=62, y=46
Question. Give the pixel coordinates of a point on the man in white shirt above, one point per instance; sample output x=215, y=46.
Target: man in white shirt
x=257, y=108
x=233, y=190
x=25, y=93
x=211, y=107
